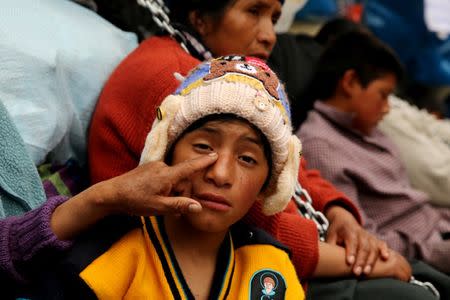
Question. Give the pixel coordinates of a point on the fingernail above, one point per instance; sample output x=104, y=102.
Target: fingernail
x=358, y=270
x=351, y=259
x=367, y=269
x=213, y=154
x=194, y=208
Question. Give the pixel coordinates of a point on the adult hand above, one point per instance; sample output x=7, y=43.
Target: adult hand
x=151, y=188
x=146, y=190
x=361, y=247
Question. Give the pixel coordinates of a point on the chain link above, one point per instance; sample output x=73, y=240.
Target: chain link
x=427, y=285
x=160, y=15
x=305, y=208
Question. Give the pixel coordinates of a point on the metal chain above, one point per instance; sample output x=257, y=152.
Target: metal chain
x=427, y=285
x=305, y=208
x=160, y=15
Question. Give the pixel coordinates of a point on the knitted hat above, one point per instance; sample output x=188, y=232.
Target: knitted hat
x=247, y=88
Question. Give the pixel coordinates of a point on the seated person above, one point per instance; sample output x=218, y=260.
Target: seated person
x=233, y=109
x=354, y=78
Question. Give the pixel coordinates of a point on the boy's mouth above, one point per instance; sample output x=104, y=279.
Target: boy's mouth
x=213, y=202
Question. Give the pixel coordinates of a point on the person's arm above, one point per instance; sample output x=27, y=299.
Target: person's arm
x=142, y=191
x=294, y=231
x=332, y=264
x=337, y=174
x=24, y=237
x=362, y=248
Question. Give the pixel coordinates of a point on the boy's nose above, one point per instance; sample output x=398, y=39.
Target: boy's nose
x=220, y=173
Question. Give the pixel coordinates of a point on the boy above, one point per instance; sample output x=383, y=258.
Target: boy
x=234, y=110
x=354, y=78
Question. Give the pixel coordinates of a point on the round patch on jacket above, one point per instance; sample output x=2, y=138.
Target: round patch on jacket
x=267, y=284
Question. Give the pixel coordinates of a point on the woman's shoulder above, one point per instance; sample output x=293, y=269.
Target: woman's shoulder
x=150, y=67
x=159, y=54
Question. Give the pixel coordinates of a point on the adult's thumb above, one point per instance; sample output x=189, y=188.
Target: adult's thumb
x=177, y=205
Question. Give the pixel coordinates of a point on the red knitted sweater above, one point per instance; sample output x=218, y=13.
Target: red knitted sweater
x=125, y=113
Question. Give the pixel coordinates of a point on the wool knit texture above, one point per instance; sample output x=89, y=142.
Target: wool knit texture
x=23, y=237
x=245, y=87
x=124, y=115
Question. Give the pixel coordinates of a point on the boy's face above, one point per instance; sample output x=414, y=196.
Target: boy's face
x=370, y=104
x=228, y=188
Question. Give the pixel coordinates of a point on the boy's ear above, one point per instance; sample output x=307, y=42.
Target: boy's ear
x=198, y=22
x=350, y=82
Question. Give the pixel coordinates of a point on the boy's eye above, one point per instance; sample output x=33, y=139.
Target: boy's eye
x=275, y=18
x=254, y=10
x=247, y=159
x=203, y=147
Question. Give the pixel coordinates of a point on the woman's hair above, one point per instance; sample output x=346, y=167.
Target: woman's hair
x=359, y=51
x=180, y=9
x=226, y=118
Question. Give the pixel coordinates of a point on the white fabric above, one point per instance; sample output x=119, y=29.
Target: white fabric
x=437, y=17
x=424, y=143
x=288, y=12
x=55, y=56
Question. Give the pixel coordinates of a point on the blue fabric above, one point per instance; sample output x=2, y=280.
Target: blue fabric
x=20, y=186
x=55, y=56
x=401, y=25
x=318, y=9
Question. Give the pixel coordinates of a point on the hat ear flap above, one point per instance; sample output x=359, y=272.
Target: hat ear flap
x=157, y=140
x=287, y=180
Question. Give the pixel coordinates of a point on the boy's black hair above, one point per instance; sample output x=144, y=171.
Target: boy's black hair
x=335, y=27
x=356, y=50
x=224, y=118
x=180, y=9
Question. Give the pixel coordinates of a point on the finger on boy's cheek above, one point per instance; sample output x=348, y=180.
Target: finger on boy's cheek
x=182, y=188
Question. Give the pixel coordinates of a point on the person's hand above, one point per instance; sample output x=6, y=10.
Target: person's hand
x=154, y=188
x=149, y=189
x=396, y=266
x=361, y=247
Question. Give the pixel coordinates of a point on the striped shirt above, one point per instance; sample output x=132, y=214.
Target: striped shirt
x=368, y=169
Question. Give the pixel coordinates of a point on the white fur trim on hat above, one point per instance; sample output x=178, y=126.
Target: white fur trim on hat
x=285, y=187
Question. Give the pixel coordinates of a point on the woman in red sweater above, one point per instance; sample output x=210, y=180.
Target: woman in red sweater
x=129, y=101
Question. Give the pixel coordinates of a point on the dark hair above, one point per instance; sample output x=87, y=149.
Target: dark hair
x=335, y=27
x=359, y=51
x=225, y=118
x=180, y=9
